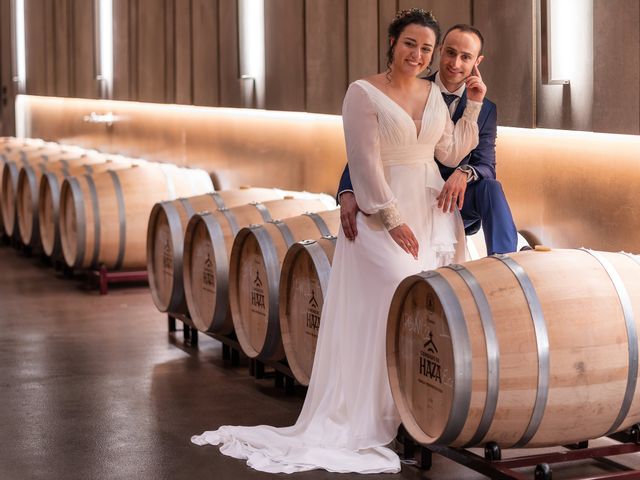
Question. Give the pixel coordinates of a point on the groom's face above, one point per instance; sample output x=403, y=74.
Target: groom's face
x=459, y=53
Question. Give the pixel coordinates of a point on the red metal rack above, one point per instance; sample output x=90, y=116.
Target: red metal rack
x=495, y=467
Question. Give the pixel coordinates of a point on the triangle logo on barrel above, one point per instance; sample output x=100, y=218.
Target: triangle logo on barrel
x=430, y=346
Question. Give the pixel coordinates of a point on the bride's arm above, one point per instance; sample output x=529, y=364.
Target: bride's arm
x=460, y=138
x=372, y=192
x=360, y=122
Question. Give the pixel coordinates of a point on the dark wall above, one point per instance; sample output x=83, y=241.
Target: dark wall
x=7, y=123
x=186, y=51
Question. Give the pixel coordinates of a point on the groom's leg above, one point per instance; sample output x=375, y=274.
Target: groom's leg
x=485, y=201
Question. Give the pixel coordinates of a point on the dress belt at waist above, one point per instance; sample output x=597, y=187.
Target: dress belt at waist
x=406, y=154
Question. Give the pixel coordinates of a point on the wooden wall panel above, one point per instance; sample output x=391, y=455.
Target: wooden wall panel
x=83, y=50
x=616, y=102
x=183, y=49
x=183, y=52
x=508, y=68
x=284, y=55
x=123, y=43
x=447, y=12
x=362, y=39
x=50, y=47
x=7, y=91
x=35, y=16
x=229, y=54
x=151, y=61
x=170, y=51
x=326, y=54
x=387, y=10
x=62, y=18
x=204, y=23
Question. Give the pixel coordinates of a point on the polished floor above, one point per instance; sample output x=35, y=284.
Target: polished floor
x=94, y=387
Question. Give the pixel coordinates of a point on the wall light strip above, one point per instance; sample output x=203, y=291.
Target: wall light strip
x=252, y=52
x=105, y=29
x=558, y=40
x=20, y=51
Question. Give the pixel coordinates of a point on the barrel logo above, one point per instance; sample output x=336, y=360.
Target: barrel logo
x=257, y=295
x=313, y=315
x=208, y=277
x=430, y=368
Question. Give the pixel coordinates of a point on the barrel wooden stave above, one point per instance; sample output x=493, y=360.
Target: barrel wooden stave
x=125, y=199
x=168, y=221
x=257, y=254
x=50, y=184
x=220, y=238
x=587, y=351
x=303, y=285
x=14, y=161
x=28, y=189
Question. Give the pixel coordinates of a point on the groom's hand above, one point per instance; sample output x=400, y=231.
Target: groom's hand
x=348, y=211
x=476, y=89
x=453, y=191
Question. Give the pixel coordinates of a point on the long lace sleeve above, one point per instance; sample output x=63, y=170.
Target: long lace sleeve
x=460, y=138
x=360, y=122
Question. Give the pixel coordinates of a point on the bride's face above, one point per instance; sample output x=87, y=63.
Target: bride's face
x=413, y=49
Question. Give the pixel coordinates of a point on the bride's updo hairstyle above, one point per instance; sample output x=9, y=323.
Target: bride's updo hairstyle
x=408, y=17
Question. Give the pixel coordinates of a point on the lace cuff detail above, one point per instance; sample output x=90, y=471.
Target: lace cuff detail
x=472, y=110
x=390, y=216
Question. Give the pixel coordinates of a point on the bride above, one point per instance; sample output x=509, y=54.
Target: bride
x=394, y=123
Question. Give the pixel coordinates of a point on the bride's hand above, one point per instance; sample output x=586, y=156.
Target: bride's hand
x=404, y=237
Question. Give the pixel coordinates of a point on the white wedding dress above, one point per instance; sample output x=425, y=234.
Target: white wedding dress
x=349, y=415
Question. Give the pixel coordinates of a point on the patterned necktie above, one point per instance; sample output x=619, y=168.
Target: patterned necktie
x=449, y=98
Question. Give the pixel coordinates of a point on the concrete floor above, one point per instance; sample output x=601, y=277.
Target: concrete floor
x=94, y=387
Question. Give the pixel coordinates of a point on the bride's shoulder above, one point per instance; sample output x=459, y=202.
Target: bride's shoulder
x=375, y=80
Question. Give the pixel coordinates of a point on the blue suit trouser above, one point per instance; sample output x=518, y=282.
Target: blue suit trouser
x=486, y=205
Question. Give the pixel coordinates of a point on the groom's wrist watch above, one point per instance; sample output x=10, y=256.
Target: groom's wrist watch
x=468, y=170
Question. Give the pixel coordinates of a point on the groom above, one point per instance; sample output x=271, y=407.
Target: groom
x=472, y=186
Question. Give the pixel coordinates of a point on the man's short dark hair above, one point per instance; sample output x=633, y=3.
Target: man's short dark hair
x=463, y=27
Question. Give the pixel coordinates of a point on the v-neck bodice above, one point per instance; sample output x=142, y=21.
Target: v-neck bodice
x=392, y=101
x=400, y=141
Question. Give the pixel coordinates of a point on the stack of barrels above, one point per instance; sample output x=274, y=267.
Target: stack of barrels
x=216, y=261
x=253, y=263
x=85, y=208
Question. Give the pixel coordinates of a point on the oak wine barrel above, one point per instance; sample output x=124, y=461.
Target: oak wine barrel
x=303, y=286
x=103, y=217
x=254, y=278
x=28, y=189
x=168, y=221
x=9, y=180
x=16, y=142
x=207, y=248
x=48, y=206
x=531, y=349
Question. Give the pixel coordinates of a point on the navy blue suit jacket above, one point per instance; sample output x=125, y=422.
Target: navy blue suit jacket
x=482, y=158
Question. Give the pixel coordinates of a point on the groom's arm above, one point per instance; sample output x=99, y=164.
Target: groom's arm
x=348, y=205
x=345, y=183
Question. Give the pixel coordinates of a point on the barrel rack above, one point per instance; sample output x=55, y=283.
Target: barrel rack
x=232, y=352
x=106, y=277
x=101, y=275
x=494, y=466
x=491, y=464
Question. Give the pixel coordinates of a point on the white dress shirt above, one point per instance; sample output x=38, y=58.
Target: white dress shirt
x=452, y=109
